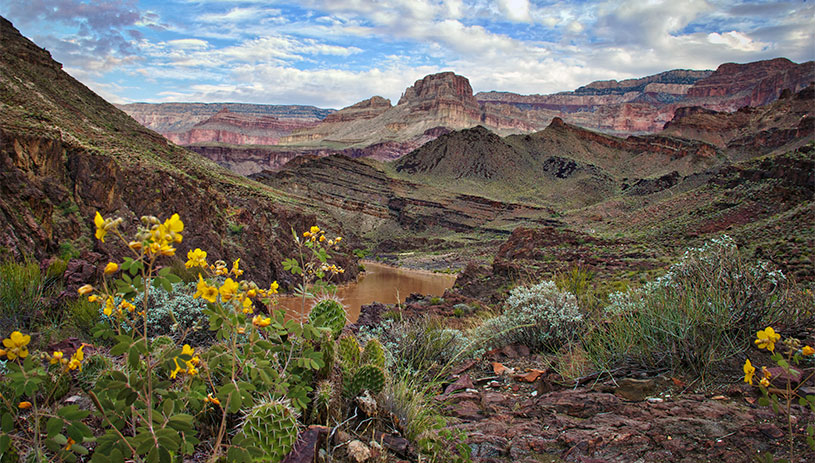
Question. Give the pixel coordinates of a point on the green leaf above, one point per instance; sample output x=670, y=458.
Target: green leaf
x=60, y=439
x=54, y=426
x=763, y=401
x=133, y=358
x=7, y=423
x=5, y=442
x=167, y=407
x=73, y=413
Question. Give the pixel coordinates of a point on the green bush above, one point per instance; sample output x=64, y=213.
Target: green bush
x=82, y=314
x=423, y=344
x=695, y=316
x=25, y=293
x=539, y=316
x=177, y=314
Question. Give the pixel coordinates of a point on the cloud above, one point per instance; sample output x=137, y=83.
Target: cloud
x=515, y=10
x=736, y=40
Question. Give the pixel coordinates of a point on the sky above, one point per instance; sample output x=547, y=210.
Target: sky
x=333, y=53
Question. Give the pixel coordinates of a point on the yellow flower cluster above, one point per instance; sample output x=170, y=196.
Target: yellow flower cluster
x=197, y=258
x=316, y=235
x=16, y=346
x=58, y=358
x=332, y=268
x=190, y=366
x=767, y=338
x=103, y=226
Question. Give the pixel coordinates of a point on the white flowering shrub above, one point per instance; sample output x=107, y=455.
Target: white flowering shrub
x=539, y=316
x=177, y=314
x=695, y=315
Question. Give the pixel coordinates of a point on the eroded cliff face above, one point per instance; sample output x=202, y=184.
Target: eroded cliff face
x=238, y=129
x=65, y=153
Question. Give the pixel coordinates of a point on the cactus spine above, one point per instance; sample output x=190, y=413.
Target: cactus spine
x=328, y=313
x=271, y=427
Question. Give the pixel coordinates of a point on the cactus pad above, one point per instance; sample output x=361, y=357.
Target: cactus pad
x=374, y=353
x=272, y=428
x=349, y=353
x=368, y=377
x=328, y=313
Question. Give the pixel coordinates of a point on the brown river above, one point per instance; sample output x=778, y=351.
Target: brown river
x=379, y=283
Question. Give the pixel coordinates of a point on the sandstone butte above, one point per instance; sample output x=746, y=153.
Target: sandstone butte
x=251, y=138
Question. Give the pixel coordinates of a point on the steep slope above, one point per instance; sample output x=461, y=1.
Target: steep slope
x=646, y=104
x=563, y=166
x=750, y=130
x=167, y=118
x=238, y=129
x=66, y=153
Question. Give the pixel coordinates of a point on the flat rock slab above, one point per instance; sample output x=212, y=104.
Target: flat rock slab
x=582, y=425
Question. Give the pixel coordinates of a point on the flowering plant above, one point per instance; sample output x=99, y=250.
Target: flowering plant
x=780, y=388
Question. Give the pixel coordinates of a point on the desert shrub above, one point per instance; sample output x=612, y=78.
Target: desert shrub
x=539, y=316
x=695, y=316
x=579, y=282
x=422, y=345
x=82, y=314
x=410, y=402
x=24, y=293
x=177, y=314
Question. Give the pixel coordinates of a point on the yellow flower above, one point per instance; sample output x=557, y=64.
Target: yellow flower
x=166, y=250
x=191, y=370
x=261, y=322
x=77, y=358
x=111, y=268
x=174, y=227
x=306, y=235
x=767, y=339
x=127, y=306
x=766, y=373
x=25, y=405
x=235, y=270
x=93, y=298
x=101, y=230
x=338, y=239
x=197, y=258
x=273, y=288
x=187, y=350
x=228, y=290
x=57, y=357
x=808, y=351
x=212, y=400
x=749, y=372
x=765, y=382
x=71, y=442
x=247, y=306
x=16, y=345
x=203, y=290
x=175, y=372
x=314, y=230
x=85, y=289
x=252, y=293
x=134, y=245
x=109, y=306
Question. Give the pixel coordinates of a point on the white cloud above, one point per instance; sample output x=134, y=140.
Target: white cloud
x=515, y=10
x=188, y=44
x=736, y=40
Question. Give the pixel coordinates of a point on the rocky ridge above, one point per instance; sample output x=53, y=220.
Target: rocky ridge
x=67, y=154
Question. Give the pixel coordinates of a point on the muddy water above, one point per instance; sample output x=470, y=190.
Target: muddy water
x=380, y=283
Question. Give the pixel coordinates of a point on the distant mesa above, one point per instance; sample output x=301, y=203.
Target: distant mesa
x=376, y=128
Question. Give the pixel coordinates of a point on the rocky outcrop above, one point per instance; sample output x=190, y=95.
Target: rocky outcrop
x=179, y=117
x=754, y=130
x=366, y=109
x=446, y=96
x=238, y=129
x=646, y=104
x=65, y=154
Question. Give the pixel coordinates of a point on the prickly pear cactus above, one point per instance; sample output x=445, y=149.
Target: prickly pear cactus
x=323, y=395
x=328, y=313
x=329, y=351
x=349, y=353
x=270, y=427
x=374, y=353
x=368, y=377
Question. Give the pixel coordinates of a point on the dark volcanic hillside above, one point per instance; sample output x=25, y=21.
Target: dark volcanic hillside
x=66, y=153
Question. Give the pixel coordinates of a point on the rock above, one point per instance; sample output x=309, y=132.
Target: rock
x=463, y=382
x=367, y=404
x=358, y=451
x=638, y=389
x=308, y=441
